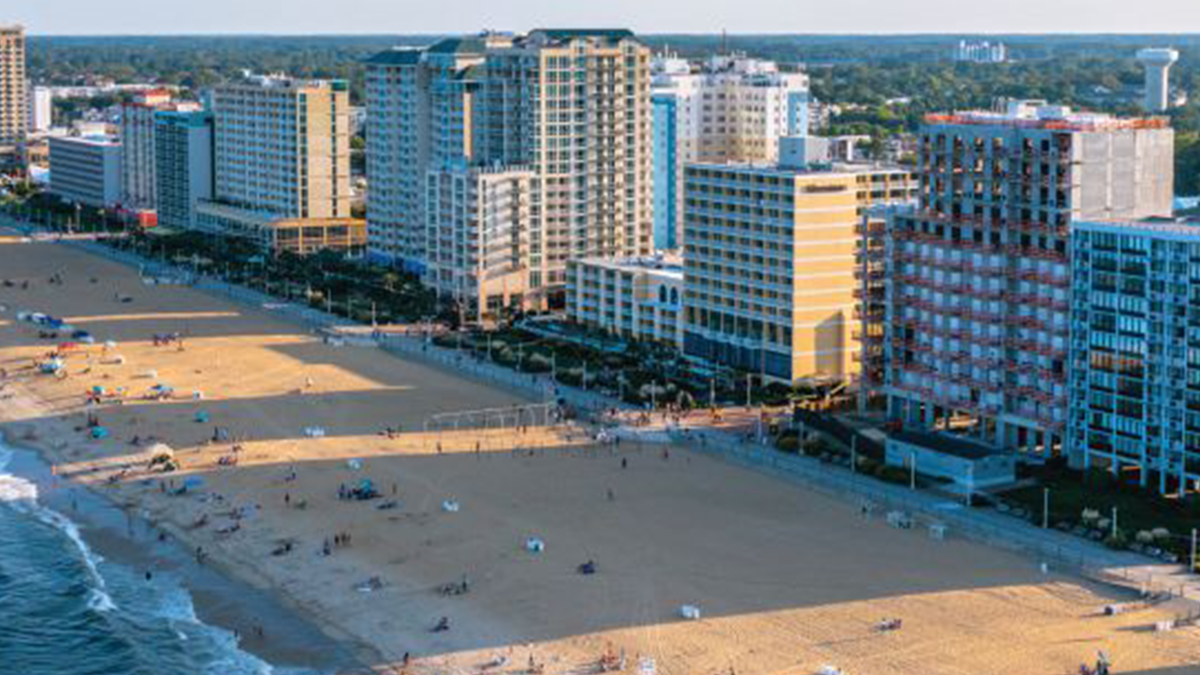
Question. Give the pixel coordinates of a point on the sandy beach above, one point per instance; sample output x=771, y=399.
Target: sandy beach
x=787, y=580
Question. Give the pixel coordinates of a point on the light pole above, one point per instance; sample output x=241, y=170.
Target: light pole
x=854, y=453
x=912, y=470
x=1045, y=508
x=1114, y=522
x=1193, y=568
x=748, y=381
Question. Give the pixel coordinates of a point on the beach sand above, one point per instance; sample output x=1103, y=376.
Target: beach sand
x=787, y=580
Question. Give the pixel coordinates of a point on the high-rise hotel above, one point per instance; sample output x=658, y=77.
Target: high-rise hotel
x=138, y=182
x=283, y=146
x=771, y=265
x=978, y=307
x=14, y=108
x=729, y=108
x=281, y=165
x=496, y=158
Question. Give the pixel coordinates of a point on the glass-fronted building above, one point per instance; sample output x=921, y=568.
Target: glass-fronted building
x=1135, y=350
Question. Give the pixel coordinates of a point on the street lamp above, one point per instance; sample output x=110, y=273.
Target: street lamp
x=1045, y=508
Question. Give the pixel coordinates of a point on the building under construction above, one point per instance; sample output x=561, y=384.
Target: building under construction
x=978, y=304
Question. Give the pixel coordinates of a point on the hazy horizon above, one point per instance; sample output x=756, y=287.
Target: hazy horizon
x=749, y=17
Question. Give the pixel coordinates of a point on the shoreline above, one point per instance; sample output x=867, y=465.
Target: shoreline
x=297, y=640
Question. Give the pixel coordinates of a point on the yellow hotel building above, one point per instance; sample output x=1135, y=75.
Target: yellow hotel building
x=770, y=262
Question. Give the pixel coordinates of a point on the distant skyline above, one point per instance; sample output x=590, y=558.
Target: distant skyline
x=134, y=17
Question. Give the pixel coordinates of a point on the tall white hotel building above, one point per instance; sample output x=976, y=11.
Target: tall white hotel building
x=496, y=158
x=729, y=108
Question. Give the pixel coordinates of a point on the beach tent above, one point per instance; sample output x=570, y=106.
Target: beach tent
x=52, y=366
x=161, y=449
x=450, y=506
x=99, y=432
x=201, y=416
x=354, y=464
x=689, y=612
x=535, y=545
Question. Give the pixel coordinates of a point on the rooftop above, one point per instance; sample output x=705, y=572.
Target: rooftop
x=1040, y=115
x=610, y=34
x=826, y=169
x=1177, y=227
x=669, y=264
x=948, y=444
x=396, y=56
x=459, y=45
x=90, y=139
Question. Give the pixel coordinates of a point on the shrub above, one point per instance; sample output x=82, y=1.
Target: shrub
x=892, y=474
x=1117, y=540
x=789, y=443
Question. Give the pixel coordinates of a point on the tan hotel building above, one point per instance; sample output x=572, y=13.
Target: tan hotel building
x=281, y=165
x=770, y=262
x=14, y=109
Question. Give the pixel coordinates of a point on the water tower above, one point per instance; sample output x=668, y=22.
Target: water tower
x=1157, y=63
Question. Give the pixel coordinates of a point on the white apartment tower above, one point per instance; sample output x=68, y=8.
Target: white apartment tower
x=729, y=108
x=41, y=109
x=537, y=144
x=978, y=303
x=14, y=108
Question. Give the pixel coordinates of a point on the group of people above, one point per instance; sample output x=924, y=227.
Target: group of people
x=340, y=540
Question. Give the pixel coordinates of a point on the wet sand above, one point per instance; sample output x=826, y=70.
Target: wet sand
x=125, y=537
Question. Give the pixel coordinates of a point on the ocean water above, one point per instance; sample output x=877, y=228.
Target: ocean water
x=64, y=610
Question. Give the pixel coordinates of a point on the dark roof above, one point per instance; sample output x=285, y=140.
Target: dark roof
x=396, y=56
x=459, y=45
x=951, y=445
x=569, y=33
x=472, y=72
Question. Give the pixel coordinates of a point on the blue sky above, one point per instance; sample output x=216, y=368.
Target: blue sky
x=737, y=16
